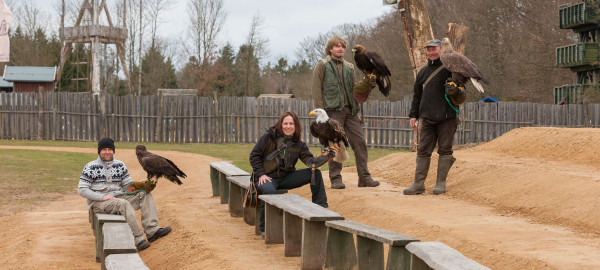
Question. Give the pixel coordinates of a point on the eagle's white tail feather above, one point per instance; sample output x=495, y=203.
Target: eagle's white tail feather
x=342, y=154
x=477, y=85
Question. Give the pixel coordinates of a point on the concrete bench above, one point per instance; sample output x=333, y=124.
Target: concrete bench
x=437, y=255
x=300, y=225
x=342, y=254
x=118, y=239
x=238, y=185
x=129, y=261
x=97, y=221
x=219, y=170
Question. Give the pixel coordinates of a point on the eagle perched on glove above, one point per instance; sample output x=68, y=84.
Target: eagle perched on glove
x=462, y=68
x=157, y=166
x=329, y=131
x=371, y=64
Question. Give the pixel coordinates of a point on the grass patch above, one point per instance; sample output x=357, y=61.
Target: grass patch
x=236, y=153
x=31, y=177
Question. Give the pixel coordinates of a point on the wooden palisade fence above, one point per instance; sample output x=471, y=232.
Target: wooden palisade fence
x=193, y=119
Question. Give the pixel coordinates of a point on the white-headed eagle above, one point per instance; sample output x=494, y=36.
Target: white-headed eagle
x=157, y=166
x=371, y=63
x=462, y=68
x=329, y=131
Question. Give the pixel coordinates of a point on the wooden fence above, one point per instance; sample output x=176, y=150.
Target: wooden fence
x=192, y=119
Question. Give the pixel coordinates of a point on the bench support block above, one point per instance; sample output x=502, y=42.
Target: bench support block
x=214, y=181
x=398, y=258
x=341, y=251
x=236, y=200
x=370, y=253
x=314, y=243
x=223, y=188
x=292, y=235
x=273, y=225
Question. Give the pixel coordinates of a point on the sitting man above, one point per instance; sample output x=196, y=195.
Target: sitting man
x=108, y=188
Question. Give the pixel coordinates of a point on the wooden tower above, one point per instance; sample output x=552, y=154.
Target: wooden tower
x=96, y=35
x=582, y=57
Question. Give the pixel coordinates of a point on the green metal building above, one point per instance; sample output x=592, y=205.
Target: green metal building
x=582, y=57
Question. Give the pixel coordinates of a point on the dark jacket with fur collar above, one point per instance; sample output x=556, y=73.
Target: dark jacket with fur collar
x=266, y=145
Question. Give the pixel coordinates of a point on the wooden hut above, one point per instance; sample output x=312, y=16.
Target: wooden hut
x=30, y=79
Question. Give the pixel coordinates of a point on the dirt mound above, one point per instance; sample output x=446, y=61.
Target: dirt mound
x=570, y=145
x=549, y=175
x=527, y=200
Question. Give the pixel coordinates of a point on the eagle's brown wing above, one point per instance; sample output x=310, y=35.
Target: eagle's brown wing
x=339, y=131
x=374, y=64
x=158, y=165
x=458, y=63
x=378, y=63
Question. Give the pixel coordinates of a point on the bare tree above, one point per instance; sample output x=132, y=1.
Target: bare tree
x=154, y=9
x=255, y=48
x=29, y=17
x=206, y=19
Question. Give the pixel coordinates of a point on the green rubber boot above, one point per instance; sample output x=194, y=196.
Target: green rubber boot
x=418, y=186
x=444, y=164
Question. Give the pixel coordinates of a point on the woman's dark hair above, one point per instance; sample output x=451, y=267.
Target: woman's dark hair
x=279, y=125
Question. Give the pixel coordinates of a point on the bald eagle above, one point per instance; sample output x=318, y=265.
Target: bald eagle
x=157, y=166
x=462, y=68
x=329, y=131
x=371, y=63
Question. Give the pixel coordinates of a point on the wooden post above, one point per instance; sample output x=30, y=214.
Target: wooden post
x=40, y=121
x=417, y=31
x=159, y=117
x=458, y=36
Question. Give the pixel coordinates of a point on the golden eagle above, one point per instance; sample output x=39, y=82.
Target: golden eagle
x=371, y=63
x=157, y=166
x=329, y=131
x=462, y=68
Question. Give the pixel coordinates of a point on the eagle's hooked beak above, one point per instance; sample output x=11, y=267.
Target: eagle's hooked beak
x=312, y=113
x=354, y=50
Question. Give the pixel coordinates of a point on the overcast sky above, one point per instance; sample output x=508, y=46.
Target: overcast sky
x=286, y=22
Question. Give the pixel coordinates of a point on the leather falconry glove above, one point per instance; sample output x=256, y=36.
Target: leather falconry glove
x=147, y=185
x=455, y=92
x=362, y=86
x=317, y=162
x=372, y=80
x=335, y=148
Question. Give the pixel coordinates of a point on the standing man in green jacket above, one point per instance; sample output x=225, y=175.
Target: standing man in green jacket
x=332, y=86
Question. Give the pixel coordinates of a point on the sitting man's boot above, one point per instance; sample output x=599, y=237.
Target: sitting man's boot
x=444, y=164
x=367, y=182
x=336, y=183
x=141, y=245
x=418, y=186
x=159, y=233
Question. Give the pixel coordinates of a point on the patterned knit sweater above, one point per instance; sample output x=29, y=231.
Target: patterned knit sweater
x=100, y=178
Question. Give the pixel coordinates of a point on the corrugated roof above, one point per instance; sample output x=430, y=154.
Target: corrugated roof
x=29, y=74
x=5, y=84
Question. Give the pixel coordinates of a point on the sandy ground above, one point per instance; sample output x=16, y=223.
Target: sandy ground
x=527, y=200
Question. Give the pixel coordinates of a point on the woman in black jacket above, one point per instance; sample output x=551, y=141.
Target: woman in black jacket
x=274, y=158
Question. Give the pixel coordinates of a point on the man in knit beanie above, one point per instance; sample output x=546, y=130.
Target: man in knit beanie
x=105, y=183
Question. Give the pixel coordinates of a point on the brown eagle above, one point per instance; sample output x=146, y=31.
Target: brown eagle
x=329, y=131
x=371, y=63
x=157, y=166
x=462, y=68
